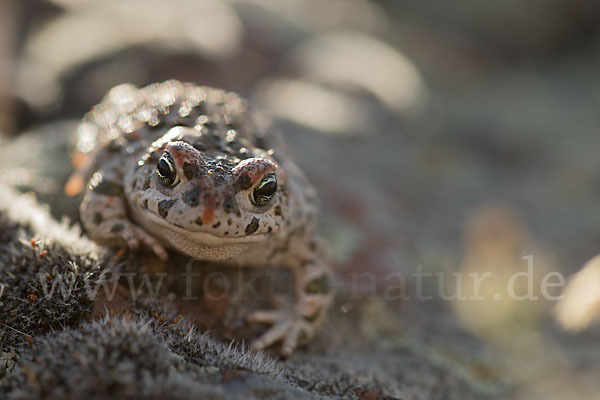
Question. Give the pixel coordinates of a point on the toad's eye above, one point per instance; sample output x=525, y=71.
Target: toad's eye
x=165, y=170
x=265, y=190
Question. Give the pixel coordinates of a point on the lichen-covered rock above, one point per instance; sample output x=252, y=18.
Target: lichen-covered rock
x=83, y=346
x=44, y=287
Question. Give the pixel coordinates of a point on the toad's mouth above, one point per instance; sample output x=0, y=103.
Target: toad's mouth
x=159, y=227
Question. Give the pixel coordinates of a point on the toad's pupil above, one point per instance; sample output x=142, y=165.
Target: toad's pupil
x=165, y=170
x=265, y=191
x=268, y=189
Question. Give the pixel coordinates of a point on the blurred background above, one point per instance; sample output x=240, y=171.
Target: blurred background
x=449, y=136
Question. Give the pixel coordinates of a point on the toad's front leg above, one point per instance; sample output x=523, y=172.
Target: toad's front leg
x=314, y=293
x=104, y=213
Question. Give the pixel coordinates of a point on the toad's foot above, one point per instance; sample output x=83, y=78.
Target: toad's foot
x=292, y=327
x=123, y=231
x=104, y=213
x=285, y=326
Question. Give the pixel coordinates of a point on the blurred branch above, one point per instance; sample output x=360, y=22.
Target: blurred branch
x=7, y=20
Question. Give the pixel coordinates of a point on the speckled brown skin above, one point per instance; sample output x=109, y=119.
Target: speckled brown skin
x=205, y=204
